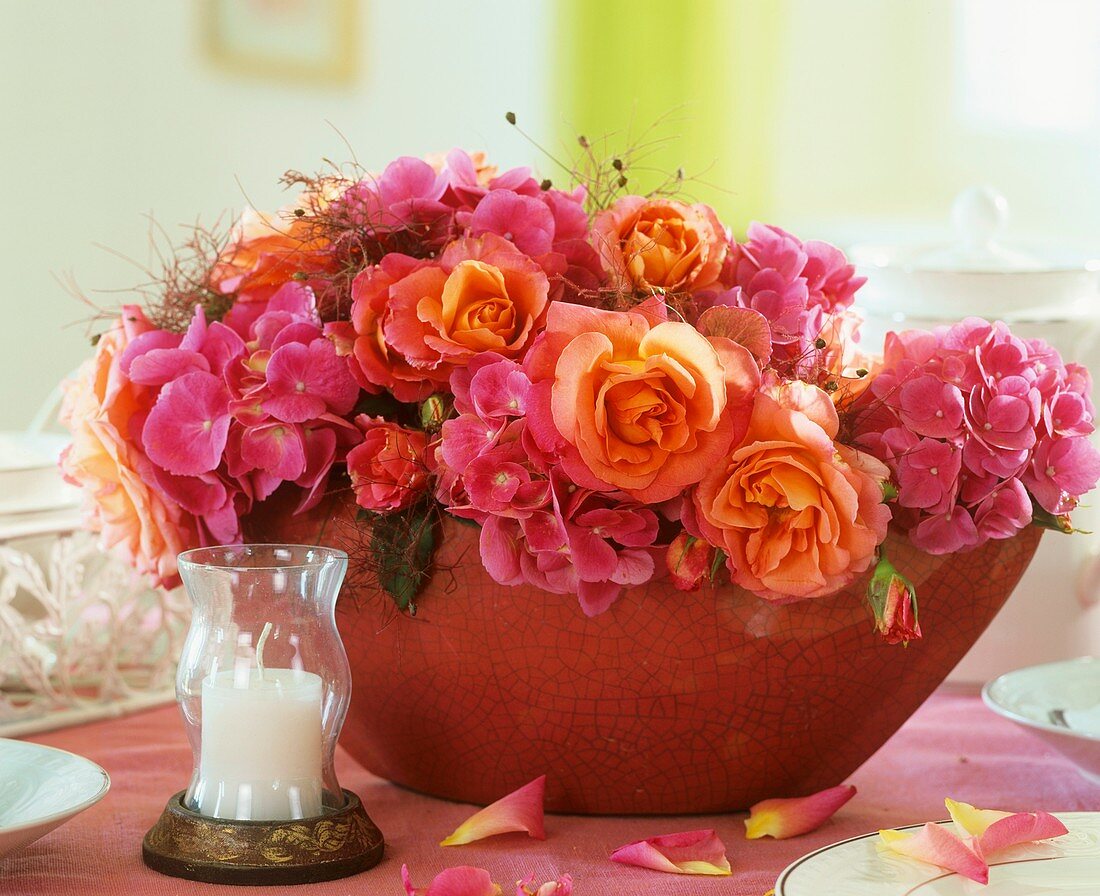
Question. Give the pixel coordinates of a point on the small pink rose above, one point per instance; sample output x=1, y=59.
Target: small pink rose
x=388, y=468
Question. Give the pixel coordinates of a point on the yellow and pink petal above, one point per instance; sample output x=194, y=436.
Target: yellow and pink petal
x=687, y=852
x=996, y=830
x=936, y=845
x=783, y=818
x=521, y=810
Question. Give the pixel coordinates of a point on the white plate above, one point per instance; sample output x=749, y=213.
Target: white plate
x=42, y=788
x=30, y=481
x=856, y=867
x=1041, y=697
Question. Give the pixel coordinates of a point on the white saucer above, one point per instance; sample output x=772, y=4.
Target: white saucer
x=1058, y=702
x=42, y=788
x=856, y=867
x=30, y=481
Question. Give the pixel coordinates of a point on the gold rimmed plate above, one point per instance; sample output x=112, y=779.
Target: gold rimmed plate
x=857, y=867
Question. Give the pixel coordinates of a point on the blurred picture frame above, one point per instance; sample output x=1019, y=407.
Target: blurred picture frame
x=297, y=41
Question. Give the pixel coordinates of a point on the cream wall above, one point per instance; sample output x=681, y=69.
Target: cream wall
x=109, y=112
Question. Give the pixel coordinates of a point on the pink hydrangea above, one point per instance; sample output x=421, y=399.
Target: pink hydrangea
x=241, y=407
x=797, y=286
x=538, y=527
x=417, y=207
x=976, y=424
x=102, y=408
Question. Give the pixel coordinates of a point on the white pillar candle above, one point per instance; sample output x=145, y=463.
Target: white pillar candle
x=261, y=745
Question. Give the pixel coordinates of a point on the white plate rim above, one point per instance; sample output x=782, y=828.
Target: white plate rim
x=781, y=881
x=70, y=811
x=1020, y=719
x=786, y=872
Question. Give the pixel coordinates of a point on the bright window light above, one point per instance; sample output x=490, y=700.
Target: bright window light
x=1029, y=64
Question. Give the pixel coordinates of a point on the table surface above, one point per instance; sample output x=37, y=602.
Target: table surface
x=953, y=746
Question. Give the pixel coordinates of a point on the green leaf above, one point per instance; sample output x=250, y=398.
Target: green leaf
x=717, y=563
x=1044, y=519
x=402, y=546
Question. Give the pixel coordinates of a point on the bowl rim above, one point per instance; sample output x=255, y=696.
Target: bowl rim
x=1010, y=714
x=70, y=811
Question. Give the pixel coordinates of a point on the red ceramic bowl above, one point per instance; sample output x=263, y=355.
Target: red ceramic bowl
x=670, y=702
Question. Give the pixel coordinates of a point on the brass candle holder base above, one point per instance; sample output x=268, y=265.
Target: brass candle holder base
x=339, y=843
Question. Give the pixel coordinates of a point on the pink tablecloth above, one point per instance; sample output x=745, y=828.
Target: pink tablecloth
x=952, y=746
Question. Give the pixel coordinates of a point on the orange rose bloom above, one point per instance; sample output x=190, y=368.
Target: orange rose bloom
x=661, y=245
x=842, y=358
x=413, y=322
x=797, y=514
x=646, y=409
x=264, y=253
x=99, y=407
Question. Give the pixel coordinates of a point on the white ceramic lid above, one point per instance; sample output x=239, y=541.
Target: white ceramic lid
x=979, y=272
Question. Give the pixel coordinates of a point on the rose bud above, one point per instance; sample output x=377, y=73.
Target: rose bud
x=689, y=560
x=894, y=602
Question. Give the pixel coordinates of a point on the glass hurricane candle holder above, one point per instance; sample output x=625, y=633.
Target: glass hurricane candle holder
x=263, y=685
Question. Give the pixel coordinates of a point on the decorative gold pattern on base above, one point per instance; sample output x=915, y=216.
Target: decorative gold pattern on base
x=337, y=844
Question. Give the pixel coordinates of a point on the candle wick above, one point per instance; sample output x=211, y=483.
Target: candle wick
x=260, y=648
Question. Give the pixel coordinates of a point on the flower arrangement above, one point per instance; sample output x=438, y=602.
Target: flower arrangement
x=608, y=385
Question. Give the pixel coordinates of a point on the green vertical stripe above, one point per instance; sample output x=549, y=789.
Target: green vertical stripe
x=708, y=70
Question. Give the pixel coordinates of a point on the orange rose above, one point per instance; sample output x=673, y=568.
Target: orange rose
x=264, y=253
x=797, y=514
x=661, y=245
x=99, y=408
x=644, y=408
x=415, y=321
x=842, y=358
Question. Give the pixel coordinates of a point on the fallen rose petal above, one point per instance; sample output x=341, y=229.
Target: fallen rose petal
x=1023, y=827
x=997, y=830
x=563, y=886
x=520, y=810
x=688, y=852
x=970, y=820
x=938, y=846
x=783, y=818
x=462, y=880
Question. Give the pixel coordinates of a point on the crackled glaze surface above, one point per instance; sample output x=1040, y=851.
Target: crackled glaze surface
x=670, y=702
